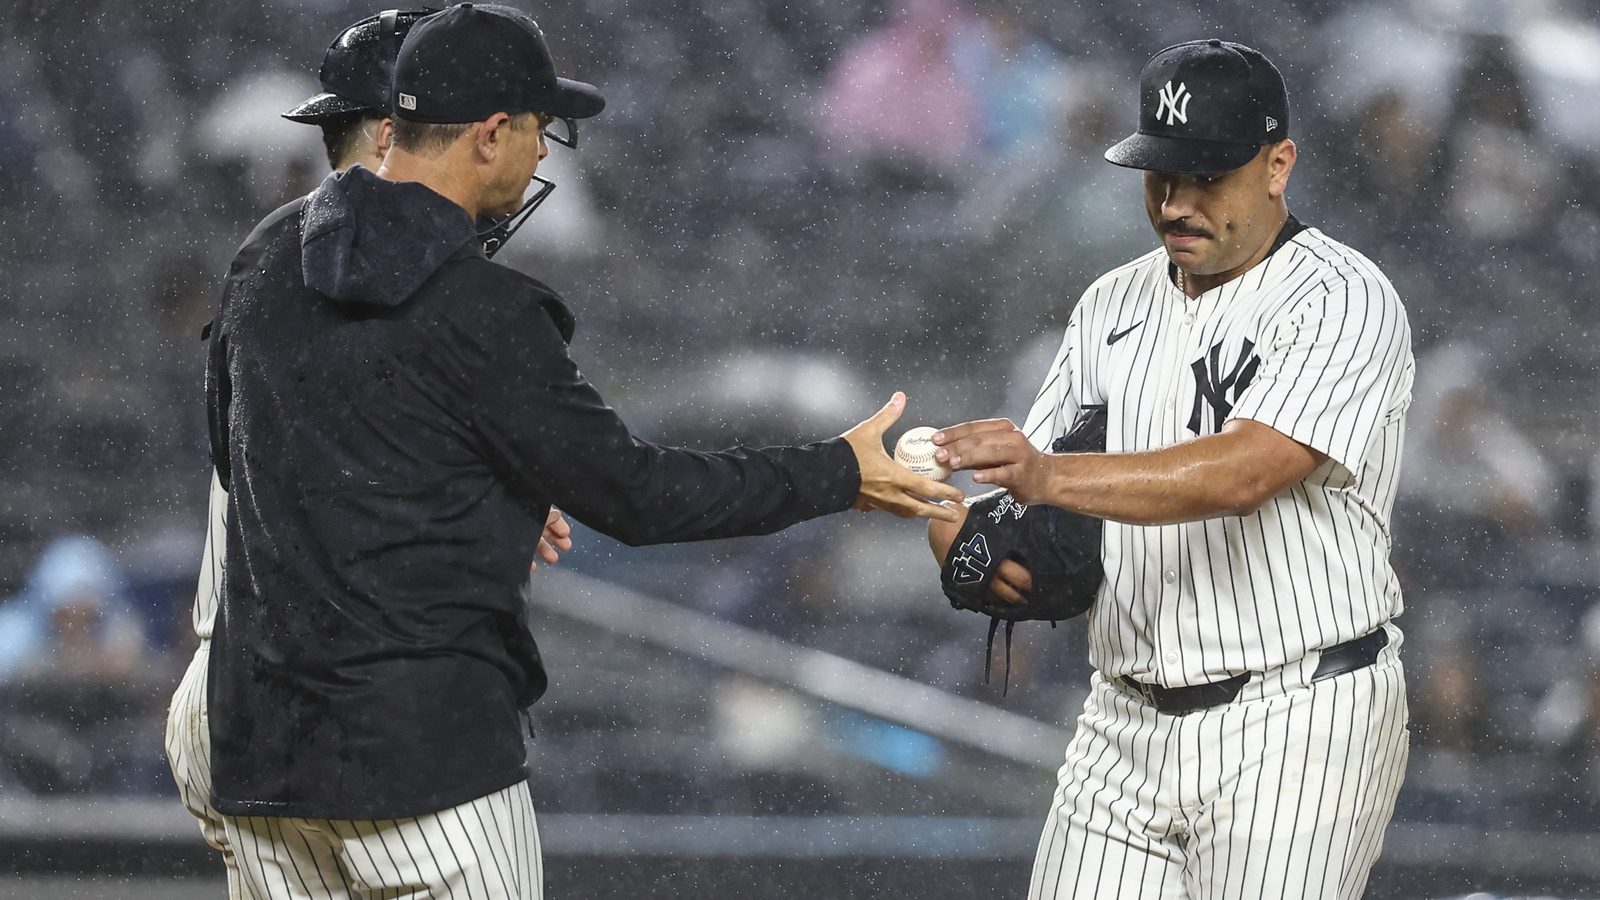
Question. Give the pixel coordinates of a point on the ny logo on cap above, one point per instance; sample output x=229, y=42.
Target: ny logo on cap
x=407, y=101
x=1174, y=103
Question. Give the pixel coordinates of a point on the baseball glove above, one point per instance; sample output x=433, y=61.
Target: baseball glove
x=1060, y=549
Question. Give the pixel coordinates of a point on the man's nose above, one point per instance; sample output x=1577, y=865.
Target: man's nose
x=1178, y=202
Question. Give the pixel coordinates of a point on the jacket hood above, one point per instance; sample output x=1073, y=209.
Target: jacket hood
x=367, y=240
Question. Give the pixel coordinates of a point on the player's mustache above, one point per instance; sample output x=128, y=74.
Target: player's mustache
x=1182, y=230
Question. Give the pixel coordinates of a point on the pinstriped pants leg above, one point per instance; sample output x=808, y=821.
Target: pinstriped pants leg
x=189, y=754
x=1283, y=794
x=484, y=849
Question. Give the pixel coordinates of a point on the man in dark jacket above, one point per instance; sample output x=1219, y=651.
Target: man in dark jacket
x=399, y=415
x=352, y=110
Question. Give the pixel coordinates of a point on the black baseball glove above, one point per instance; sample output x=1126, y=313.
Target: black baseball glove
x=1060, y=549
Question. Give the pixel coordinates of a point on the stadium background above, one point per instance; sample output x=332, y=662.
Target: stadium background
x=790, y=209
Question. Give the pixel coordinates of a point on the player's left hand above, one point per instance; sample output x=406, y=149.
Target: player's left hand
x=556, y=540
x=997, y=453
x=1012, y=581
x=889, y=486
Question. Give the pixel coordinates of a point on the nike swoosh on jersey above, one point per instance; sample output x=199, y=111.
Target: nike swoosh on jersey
x=1119, y=335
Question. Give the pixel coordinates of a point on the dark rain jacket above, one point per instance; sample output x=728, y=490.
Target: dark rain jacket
x=393, y=415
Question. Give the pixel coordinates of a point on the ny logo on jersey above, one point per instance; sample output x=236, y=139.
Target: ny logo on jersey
x=1212, y=386
x=972, y=557
x=1174, y=103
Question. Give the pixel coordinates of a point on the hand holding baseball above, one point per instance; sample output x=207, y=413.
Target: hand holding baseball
x=889, y=486
x=915, y=451
x=998, y=453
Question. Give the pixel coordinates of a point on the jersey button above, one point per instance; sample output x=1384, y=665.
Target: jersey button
x=1172, y=657
x=1170, y=577
x=1188, y=320
x=1172, y=403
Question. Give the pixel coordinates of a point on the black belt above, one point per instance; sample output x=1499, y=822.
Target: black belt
x=1351, y=655
x=1180, y=701
x=1336, y=660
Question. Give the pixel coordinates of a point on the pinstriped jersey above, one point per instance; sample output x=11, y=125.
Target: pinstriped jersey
x=210, y=585
x=1312, y=342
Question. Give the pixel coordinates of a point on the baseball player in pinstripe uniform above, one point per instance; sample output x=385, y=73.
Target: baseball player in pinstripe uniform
x=1246, y=731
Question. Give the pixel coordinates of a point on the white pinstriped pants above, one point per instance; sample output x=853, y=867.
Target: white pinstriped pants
x=484, y=849
x=1284, y=793
x=189, y=754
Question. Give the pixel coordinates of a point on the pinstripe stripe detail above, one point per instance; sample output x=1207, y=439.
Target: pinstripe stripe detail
x=485, y=849
x=1310, y=568
x=209, y=591
x=188, y=738
x=1284, y=795
x=1286, y=792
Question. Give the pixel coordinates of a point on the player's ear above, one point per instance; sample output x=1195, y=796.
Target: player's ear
x=489, y=136
x=385, y=137
x=1280, y=162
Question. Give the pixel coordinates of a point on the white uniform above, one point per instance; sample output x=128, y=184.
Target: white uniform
x=188, y=732
x=1284, y=791
x=485, y=849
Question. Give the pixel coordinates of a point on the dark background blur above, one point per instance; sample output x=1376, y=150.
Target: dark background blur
x=788, y=211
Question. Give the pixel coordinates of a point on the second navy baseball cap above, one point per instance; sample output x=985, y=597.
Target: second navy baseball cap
x=473, y=60
x=359, y=67
x=1205, y=107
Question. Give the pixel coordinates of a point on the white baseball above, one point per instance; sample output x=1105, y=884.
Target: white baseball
x=915, y=452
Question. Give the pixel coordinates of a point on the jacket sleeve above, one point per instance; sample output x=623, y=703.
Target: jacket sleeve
x=556, y=439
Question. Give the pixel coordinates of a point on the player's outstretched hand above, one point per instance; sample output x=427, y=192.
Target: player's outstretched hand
x=997, y=453
x=889, y=486
x=556, y=540
x=1012, y=581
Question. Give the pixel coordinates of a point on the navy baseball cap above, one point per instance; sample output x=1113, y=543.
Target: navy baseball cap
x=359, y=67
x=473, y=60
x=1205, y=107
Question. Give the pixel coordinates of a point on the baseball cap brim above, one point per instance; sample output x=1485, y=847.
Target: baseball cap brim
x=574, y=100
x=1181, y=156
x=324, y=107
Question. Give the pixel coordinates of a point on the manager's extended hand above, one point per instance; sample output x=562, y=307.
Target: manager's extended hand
x=998, y=454
x=889, y=486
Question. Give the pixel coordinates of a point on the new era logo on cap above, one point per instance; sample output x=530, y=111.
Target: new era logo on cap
x=1272, y=124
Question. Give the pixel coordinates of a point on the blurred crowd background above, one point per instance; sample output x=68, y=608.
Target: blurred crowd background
x=790, y=209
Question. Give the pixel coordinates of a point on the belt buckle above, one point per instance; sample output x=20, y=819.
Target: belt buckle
x=1144, y=691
